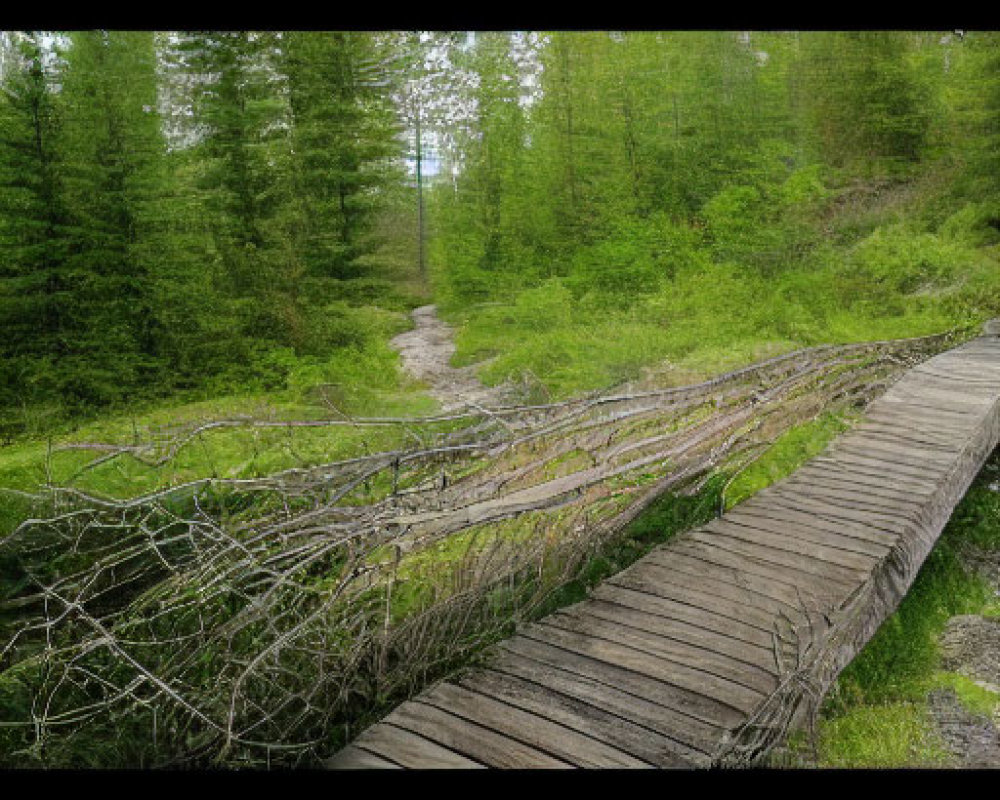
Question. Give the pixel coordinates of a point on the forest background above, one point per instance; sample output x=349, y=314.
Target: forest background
x=188, y=216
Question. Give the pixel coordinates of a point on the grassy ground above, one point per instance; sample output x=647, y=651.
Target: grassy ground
x=357, y=381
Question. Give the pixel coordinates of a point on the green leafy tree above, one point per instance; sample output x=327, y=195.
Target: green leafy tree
x=867, y=103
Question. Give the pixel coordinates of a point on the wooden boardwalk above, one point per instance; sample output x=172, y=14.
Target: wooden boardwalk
x=708, y=649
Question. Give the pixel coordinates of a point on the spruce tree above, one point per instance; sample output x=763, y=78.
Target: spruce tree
x=342, y=136
x=240, y=148
x=37, y=282
x=113, y=149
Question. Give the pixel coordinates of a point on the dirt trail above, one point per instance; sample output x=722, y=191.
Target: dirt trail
x=427, y=350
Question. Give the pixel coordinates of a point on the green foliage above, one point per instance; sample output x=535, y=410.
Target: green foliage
x=734, y=219
x=697, y=195
x=890, y=736
x=36, y=281
x=112, y=146
x=974, y=222
x=803, y=187
x=868, y=103
x=899, y=261
x=341, y=139
x=569, y=346
x=357, y=380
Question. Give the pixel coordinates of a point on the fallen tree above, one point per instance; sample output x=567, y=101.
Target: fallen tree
x=257, y=620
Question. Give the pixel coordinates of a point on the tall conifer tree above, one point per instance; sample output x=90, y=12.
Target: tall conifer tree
x=113, y=147
x=36, y=281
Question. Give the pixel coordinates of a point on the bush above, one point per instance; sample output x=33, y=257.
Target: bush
x=975, y=224
x=903, y=261
x=802, y=187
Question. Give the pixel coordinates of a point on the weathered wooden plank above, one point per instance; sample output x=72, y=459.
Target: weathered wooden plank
x=688, y=686
x=846, y=462
x=975, y=373
x=471, y=739
x=649, y=700
x=904, y=461
x=907, y=418
x=829, y=507
x=738, y=630
x=806, y=584
x=907, y=453
x=787, y=497
x=814, y=543
x=693, y=739
x=353, y=757
x=408, y=749
x=944, y=416
x=881, y=425
x=927, y=425
x=957, y=400
x=857, y=564
x=531, y=729
x=935, y=393
x=910, y=415
x=716, y=583
x=850, y=453
x=890, y=515
x=813, y=536
x=722, y=668
x=877, y=486
x=939, y=448
x=976, y=386
x=894, y=434
x=879, y=514
x=700, y=636
x=793, y=522
x=742, y=546
x=850, y=535
x=677, y=559
x=619, y=732
x=974, y=378
x=907, y=410
x=646, y=580
x=919, y=494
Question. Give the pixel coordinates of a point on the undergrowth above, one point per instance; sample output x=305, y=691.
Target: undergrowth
x=833, y=264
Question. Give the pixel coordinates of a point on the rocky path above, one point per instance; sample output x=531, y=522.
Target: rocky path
x=427, y=351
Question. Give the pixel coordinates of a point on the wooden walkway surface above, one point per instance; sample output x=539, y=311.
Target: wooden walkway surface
x=705, y=651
